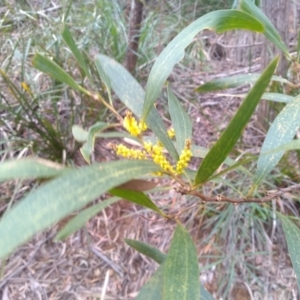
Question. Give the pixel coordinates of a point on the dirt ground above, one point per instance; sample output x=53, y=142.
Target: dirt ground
x=95, y=263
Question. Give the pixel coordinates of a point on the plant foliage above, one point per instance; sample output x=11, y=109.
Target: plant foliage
x=167, y=152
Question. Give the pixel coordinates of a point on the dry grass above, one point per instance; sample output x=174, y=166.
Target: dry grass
x=95, y=263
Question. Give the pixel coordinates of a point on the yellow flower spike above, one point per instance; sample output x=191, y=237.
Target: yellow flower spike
x=184, y=158
x=159, y=158
x=156, y=149
x=143, y=126
x=131, y=125
x=171, y=133
x=148, y=147
x=123, y=151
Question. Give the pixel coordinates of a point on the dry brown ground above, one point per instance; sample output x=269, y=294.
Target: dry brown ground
x=95, y=263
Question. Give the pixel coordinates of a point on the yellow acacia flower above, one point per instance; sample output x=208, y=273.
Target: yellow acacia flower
x=122, y=150
x=143, y=126
x=155, y=152
x=171, y=133
x=158, y=157
x=184, y=158
x=148, y=147
x=132, y=126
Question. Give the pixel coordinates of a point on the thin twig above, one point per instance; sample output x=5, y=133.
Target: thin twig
x=221, y=198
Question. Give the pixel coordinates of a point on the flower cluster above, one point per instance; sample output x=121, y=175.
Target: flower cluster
x=132, y=126
x=156, y=152
x=171, y=133
x=122, y=150
x=150, y=151
x=184, y=158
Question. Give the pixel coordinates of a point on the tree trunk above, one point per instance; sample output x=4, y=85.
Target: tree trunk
x=136, y=16
x=278, y=12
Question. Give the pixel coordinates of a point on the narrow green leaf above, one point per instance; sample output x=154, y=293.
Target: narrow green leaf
x=276, y=97
x=230, y=136
x=153, y=289
x=292, y=235
x=86, y=152
x=137, y=198
x=292, y=145
x=49, y=67
x=236, y=166
x=104, y=78
x=58, y=198
x=235, y=81
x=204, y=294
x=281, y=132
x=49, y=128
x=117, y=134
x=227, y=83
x=68, y=39
x=181, y=270
x=80, y=220
x=30, y=168
x=202, y=152
x=220, y=21
x=270, y=31
x=147, y=250
x=80, y=134
x=88, y=147
x=181, y=121
x=132, y=94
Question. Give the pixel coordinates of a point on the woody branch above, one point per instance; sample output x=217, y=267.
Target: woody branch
x=221, y=198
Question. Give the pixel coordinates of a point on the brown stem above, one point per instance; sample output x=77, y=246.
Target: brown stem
x=220, y=198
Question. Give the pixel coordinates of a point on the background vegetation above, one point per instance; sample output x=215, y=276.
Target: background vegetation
x=238, y=246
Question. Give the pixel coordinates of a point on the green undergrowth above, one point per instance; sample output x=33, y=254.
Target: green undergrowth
x=41, y=118
x=38, y=113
